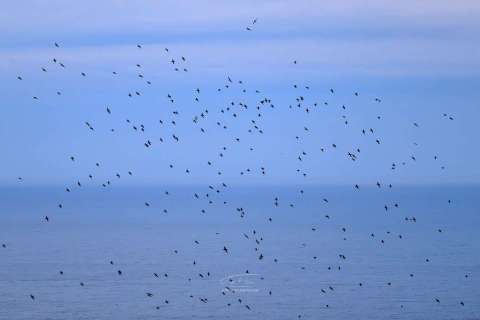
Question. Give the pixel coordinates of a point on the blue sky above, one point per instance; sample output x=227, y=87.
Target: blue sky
x=420, y=57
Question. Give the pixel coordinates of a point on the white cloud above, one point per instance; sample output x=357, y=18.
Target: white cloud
x=342, y=37
x=374, y=56
x=116, y=16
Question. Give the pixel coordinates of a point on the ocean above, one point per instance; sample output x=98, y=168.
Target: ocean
x=301, y=264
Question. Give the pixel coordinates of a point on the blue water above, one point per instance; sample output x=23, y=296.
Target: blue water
x=96, y=226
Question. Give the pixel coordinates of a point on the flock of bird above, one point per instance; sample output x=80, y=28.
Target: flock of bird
x=251, y=119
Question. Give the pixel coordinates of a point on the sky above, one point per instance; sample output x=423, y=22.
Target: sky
x=420, y=57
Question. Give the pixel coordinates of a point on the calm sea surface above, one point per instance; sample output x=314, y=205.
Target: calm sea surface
x=300, y=249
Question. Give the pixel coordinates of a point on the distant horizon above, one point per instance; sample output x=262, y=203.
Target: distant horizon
x=248, y=185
